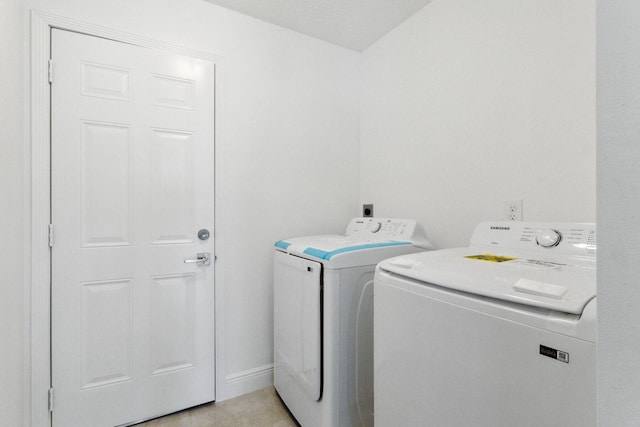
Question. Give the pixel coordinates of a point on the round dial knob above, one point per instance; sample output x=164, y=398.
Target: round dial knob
x=548, y=238
x=376, y=227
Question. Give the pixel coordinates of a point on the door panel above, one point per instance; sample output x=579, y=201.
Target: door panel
x=172, y=171
x=106, y=358
x=132, y=183
x=173, y=331
x=105, y=171
x=297, y=325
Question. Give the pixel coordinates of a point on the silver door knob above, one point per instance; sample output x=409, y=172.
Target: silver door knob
x=202, y=258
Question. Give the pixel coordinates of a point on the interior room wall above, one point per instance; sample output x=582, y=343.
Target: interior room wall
x=469, y=104
x=465, y=105
x=618, y=86
x=287, y=152
x=11, y=212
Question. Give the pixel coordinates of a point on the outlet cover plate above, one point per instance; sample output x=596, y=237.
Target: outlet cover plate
x=513, y=210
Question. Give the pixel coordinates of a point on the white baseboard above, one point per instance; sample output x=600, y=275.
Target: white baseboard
x=248, y=381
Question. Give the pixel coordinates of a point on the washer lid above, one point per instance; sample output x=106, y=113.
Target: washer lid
x=561, y=283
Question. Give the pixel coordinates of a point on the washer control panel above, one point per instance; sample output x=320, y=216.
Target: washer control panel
x=568, y=238
x=548, y=238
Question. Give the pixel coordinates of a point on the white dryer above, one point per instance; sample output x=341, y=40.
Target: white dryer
x=323, y=318
x=502, y=333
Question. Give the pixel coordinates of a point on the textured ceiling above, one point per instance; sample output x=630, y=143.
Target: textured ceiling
x=354, y=24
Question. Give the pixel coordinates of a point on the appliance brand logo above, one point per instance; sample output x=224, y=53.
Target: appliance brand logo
x=494, y=227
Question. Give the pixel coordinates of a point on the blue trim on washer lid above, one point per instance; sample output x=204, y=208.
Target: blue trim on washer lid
x=318, y=253
x=282, y=244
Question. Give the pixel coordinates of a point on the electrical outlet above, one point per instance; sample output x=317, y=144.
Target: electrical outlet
x=513, y=210
x=367, y=210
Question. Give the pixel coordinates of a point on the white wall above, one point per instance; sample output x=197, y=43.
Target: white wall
x=618, y=213
x=11, y=213
x=287, y=150
x=471, y=103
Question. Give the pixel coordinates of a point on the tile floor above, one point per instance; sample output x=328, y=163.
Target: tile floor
x=261, y=408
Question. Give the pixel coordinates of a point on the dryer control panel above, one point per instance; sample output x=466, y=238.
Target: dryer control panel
x=388, y=229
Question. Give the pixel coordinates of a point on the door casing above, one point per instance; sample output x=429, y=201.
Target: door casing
x=37, y=256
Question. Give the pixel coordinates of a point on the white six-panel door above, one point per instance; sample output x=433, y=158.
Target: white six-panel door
x=132, y=183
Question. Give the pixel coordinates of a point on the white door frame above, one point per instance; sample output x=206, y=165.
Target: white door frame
x=37, y=265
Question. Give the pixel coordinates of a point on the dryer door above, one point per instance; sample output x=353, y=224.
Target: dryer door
x=297, y=325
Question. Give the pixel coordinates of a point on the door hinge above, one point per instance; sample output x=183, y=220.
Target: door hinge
x=51, y=400
x=50, y=235
x=50, y=71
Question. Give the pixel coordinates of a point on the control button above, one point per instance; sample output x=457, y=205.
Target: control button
x=376, y=227
x=548, y=238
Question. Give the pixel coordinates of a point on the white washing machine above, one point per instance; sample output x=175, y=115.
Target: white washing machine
x=323, y=318
x=502, y=333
